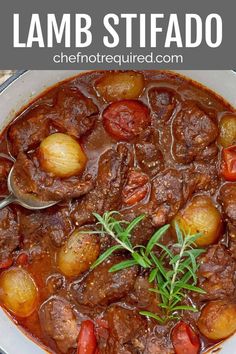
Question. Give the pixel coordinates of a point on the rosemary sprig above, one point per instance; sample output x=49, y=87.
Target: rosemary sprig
x=121, y=235
x=171, y=274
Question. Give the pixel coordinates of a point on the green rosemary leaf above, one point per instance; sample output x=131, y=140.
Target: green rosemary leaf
x=162, y=291
x=140, y=260
x=105, y=255
x=177, y=291
x=167, y=285
x=175, y=259
x=191, y=287
x=166, y=250
x=184, y=263
x=124, y=237
x=185, y=308
x=146, y=259
x=118, y=228
x=169, y=274
x=99, y=218
x=193, y=259
x=152, y=275
x=164, y=306
x=160, y=279
x=192, y=238
x=193, y=273
x=158, y=264
x=177, y=299
x=196, y=251
x=134, y=223
x=164, y=296
x=176, y=245
x=155, y=238
x=123, y=265
x=186, y=277
x=178, y=234
x=155, y=290
x=152, y=315
x=172, y=273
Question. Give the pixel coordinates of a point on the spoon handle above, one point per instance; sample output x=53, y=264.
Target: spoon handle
x=8, y=200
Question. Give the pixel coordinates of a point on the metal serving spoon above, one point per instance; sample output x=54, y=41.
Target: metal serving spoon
x=26, y=200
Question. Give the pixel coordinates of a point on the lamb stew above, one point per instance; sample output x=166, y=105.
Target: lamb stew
x=139, y=253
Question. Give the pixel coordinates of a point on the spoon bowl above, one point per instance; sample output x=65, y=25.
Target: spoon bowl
x=27, y=200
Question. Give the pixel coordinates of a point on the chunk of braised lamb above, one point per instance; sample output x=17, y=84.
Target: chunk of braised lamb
x=54, y=224
x=101, y=287
x=193, y=131
x=227, y=198
x=29, y=178
x=128, y=334
x=167, y=196
x=142, y=297
x=124, y=326
x=231, y=231
x=208, y=154
x=194, y=182
x=74, y=113
x=5, y=166
x=57, y=224
x=59, y=323
x=170, y=191
x=155, y=342
x=31, y=229
x=9, y=234
x=162, y=101
x=206, y=176
x=217, y=273
x=71, y=112
x=55, y=283
x=200, y=177
x=107, y=195
x=148, y=153
x=27, y=132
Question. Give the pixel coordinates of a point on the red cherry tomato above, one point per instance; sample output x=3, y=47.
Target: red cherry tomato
x=125, y=119
x=87, y=342
x=136, y=188
x=6, y=264
x=228, y=166
x=184, y=339
x=22, y=259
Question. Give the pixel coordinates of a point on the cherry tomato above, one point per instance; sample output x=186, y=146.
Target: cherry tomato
x=22, y=259
x=87, y=342
x=125, y=119
x=6, y=264
x=228, y=166
x=136, y=188
x=184, y=339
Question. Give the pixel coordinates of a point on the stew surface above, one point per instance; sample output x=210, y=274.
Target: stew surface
x=113, y=147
